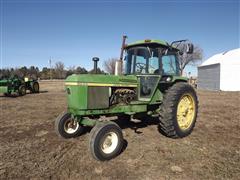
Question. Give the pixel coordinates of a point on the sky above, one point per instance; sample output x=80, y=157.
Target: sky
x=33, y=31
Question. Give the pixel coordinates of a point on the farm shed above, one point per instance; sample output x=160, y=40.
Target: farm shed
x=220, y=72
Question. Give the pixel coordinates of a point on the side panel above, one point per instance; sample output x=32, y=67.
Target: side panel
x=98, y=97
x=77, y=97
x=209, y=77
x=3, y=89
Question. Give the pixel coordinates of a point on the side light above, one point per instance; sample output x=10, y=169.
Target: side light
x=168, y=79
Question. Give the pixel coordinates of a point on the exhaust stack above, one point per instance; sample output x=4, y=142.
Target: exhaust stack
x=123, y=46
x=95, y=60
x=118, y=68
x=119, y=63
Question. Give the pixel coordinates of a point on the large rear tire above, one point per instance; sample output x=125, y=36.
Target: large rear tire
x=67, y=127
x=179, y=110
x=106, y=141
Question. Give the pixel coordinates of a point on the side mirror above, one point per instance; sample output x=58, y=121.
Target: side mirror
x=189, y=48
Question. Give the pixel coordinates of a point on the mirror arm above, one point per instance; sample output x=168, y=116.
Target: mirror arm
x=179, y=42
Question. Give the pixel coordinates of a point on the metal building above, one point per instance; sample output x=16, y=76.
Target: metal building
x=220, y=72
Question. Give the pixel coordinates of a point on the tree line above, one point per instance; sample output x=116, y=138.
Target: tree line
x=59, y=71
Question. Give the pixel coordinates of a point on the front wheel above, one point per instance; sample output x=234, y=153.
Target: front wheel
x=106, y=141
x=67, y=127
x=22, y=90
x=179, y=110
x=35, y=87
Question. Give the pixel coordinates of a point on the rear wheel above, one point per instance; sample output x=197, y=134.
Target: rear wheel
x=106, y=141
x=178, y=112
x=67, y=127
x=21, y=90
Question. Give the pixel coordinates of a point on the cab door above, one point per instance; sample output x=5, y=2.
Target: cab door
x=148, y=85
x=147, y=68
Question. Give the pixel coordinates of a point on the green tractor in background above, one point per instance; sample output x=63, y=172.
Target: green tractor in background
x=18, y=86
x=150, y=86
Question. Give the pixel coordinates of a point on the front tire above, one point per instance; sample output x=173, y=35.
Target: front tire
x=67, y=127
x=35, y=87
x=106, y=141
x=179, y=110
x=22, y=90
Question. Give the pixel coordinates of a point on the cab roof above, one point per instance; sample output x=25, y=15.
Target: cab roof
x=150, y=42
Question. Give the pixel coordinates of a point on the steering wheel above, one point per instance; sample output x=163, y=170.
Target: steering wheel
x=141, y=66
x=151, y=68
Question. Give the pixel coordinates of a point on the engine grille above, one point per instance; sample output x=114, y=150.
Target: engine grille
x=98, y=97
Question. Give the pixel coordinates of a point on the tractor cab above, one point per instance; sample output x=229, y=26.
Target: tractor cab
x=151, y=59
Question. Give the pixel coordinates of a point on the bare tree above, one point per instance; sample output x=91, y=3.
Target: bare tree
x=109, y=65
x=190, y=59
x=59, y=69
x=45, y=73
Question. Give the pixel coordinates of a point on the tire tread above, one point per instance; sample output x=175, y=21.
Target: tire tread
x=167, y=111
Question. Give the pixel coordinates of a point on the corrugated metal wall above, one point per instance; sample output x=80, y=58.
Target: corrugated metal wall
x=209, y=77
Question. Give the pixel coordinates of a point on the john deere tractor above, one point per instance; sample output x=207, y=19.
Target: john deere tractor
x=151, y=85
x=18, y=86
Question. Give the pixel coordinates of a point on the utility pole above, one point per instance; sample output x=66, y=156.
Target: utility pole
x=50, y=64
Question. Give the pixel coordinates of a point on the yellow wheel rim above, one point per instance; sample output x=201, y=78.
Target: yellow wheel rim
x=185, y=111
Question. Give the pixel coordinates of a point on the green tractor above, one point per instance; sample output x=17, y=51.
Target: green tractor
x=150, y=86
x=19, y=86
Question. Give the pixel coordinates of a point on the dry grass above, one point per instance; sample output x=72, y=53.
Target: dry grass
x=29, y=147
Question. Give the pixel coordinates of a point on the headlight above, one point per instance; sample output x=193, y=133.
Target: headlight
x=68, y=91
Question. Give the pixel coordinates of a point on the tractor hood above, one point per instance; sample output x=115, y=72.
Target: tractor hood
x=101, y=80
x=92, y=91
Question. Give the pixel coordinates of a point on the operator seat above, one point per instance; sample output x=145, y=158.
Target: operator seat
x=158, y=71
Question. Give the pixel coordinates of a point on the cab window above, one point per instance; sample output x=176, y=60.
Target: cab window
x=145, y=60
x=142, y=60
x=169, y=65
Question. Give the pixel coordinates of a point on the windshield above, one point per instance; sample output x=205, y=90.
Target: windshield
x=145, y=60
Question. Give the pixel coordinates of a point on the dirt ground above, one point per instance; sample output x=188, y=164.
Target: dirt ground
x=30, y=149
